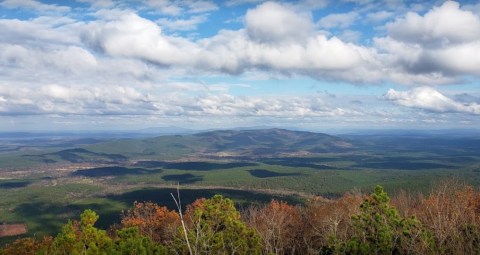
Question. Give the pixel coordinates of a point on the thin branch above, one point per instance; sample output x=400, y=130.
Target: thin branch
x=179, y=206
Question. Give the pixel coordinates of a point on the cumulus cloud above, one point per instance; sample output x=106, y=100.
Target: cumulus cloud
x=121, y=63
x=443, y=25
x=133, y=36
x=431, y=100
x=441, y=46
x=234, y=52
x=276, y=38
x=287, y=50
x=22, y=61
x=458, y=59
x=271, y=22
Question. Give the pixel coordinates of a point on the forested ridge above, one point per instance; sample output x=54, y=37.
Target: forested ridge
x=444, y=222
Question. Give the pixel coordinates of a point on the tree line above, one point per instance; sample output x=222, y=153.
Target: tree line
x=444, y=222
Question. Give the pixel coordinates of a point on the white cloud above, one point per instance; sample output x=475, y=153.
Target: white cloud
x=200, y=6
x=350, y=36
x=35, y=5
x=280, y=107
x=120, y=47
x=39, y=31
x=120, y=100
x=430, y=99
x=65, y=60
x=439, y=47
x=133, y=36
x=379, y=16
x=277, y=38
x=182, y=24
x=457, y=59
x=338, y=20
x=231, y=51
x=271, y=23
x=165, y=6
x=174, y=8
x=234, y=52
x=99, y=3
x=61, y=99
x=443, y=25
x=313, y=4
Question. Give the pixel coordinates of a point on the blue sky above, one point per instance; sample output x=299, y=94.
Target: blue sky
x=317, y=65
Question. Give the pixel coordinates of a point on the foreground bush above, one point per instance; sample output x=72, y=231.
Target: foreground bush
x=452, y=214
x=379, y=229
x=214, y=227
x=279, y=225
x=328, y=223
x=445, y=222
x=152, y=220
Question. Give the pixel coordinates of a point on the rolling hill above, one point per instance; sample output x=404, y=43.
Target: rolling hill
x=228, y=143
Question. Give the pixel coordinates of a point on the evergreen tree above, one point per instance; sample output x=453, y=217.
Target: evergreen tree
x=379, y=229
x=82, y=237
x=216, y=228
x=130, y=242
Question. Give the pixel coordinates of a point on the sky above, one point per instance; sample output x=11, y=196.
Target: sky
x=199, y=64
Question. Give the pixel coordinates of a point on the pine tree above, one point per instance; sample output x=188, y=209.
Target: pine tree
x=216, y=228
x=379, y=229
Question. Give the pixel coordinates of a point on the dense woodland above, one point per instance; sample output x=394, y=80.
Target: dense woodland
x=447, y=221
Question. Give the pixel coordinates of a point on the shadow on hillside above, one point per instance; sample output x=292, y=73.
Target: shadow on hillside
x=301, y=162
x=206, y=166
x=15, y=184
x=194, y=166
x=183, y=178
x=49, y=217
x=113, y=171
x=162, y=196
x=262, y=173
x=402, y=165
x=77, y=155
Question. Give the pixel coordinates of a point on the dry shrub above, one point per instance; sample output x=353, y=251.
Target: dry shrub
x=28, y=245
x=279, y=226
x=407, y=203
x=189, y=215
x=451, y=213
x=329, y=223
x=154, y=221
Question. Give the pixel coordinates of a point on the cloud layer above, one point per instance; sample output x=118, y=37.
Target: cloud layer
x=439, y=47
x=108, y=58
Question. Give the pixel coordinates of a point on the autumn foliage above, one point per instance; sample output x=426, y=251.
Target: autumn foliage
x=152, y=220
x=278, y=225
x=446, y=221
